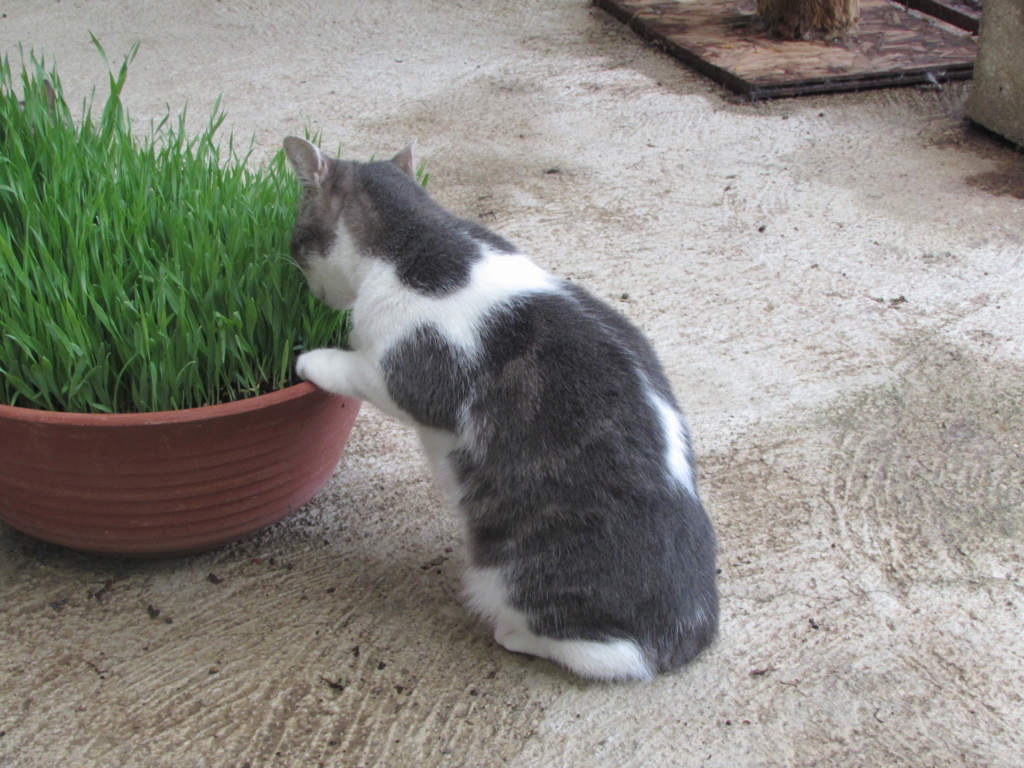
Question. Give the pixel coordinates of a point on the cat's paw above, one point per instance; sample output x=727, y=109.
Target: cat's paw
x=518, y=641
x=512, y=634
x=319, y=367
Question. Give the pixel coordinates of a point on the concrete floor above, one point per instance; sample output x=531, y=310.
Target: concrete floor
x=834, y=285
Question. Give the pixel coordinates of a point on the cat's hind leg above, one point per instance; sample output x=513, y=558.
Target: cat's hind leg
x=618, y=659
x=613, y=659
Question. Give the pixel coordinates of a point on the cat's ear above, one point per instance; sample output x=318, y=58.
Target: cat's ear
x=309, y=163
x=404, y=160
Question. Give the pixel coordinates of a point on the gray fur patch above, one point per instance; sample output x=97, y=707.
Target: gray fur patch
x=428, y=378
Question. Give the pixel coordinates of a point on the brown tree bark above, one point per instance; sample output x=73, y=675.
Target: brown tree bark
x=799, y=19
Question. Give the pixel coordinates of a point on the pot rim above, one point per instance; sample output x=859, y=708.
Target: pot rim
x=200, y=413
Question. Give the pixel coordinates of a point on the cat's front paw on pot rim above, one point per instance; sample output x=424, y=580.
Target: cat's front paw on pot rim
x=321, y=367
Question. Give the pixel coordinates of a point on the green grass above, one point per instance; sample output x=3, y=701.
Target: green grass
x=141, y=274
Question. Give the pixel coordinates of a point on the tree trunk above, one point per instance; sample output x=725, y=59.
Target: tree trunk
x=799, y=19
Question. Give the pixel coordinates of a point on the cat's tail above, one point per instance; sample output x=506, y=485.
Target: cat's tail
x=609, y=660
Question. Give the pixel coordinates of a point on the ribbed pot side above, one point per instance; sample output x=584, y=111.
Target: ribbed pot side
x=169, y=483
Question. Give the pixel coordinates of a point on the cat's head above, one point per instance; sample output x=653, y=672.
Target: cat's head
x=344, y=212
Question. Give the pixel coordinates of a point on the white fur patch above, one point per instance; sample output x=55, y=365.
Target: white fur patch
x=610, y=660
x=677, y=453
x=437, y=446
x=593, y=659
x=386, y=312
x=334, y=279
x=485, y=592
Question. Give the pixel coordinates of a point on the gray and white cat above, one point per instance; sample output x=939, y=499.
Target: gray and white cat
x=544, y=413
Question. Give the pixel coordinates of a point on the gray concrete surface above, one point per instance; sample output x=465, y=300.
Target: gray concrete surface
x=834, y=284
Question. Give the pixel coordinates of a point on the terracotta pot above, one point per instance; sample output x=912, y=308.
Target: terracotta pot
x=169, y=483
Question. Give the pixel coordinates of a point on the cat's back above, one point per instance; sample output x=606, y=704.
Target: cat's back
x=563, y=363
x=569, y=406
x=573, y=444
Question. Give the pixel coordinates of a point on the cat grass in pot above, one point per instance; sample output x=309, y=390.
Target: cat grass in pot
x=544, y=413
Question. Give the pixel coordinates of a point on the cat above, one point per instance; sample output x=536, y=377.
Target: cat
x=543, y=412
